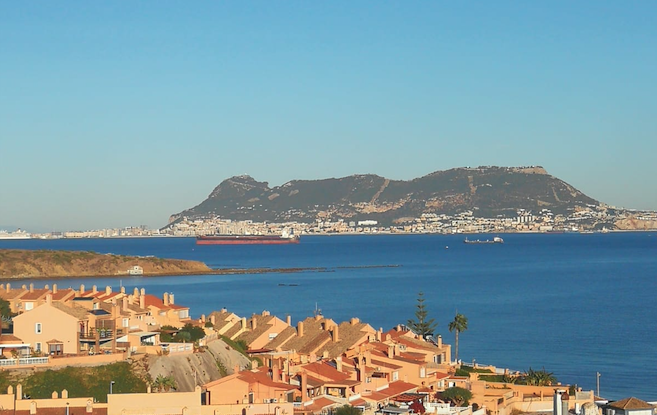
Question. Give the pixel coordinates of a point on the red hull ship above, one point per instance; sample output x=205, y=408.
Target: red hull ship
x=246, y=240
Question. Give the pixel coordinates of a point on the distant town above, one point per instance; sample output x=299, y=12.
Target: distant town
x=586, y=219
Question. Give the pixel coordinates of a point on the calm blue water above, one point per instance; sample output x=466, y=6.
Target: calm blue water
x=574, y=304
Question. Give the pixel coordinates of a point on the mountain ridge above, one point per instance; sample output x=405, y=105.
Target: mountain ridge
x=488, y=191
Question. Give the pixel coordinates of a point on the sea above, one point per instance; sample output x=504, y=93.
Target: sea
x=574, y=304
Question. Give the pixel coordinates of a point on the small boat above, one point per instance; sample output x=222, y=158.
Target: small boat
x=496, y=240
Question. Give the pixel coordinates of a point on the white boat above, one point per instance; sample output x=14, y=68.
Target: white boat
x=19, y=234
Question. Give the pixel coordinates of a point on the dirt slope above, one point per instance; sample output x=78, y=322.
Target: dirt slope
x=198, y=368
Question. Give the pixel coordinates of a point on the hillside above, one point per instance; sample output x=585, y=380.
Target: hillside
x=43, y=263
x=487, y=191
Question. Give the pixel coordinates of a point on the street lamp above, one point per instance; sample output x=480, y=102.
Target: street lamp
x=111, y=384
x=67, y=411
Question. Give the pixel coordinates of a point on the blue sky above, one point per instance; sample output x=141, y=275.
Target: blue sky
x=121, y=113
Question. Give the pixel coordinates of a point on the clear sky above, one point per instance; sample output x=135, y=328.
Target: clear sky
x=122, y=113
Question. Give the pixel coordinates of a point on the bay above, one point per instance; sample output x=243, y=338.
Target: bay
x=575, y=304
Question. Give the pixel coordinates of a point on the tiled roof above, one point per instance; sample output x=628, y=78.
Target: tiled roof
x=78, y=312
x=282, y=338
x=233, y=330
x=62, y=294
x=35, y=294
x=631, y=404
x=325, y=371
x=311, y=329
x=57, y=411
x=9, y=339
x=263, y=379
x=349, y=335
x=262, y=326
x=13, y=293
x=316, y=343
x=320, y=403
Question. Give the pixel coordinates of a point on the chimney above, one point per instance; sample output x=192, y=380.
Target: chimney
x=379, y=334
x=48, y=298
x=213, y=319
x=202, y=318
x=224, y=310
x=81, y=289
x=94, y=289
x=142, y=301
x=135, y=292
x=8, y=287
x=288, y=320
x=254, y=322
x=171, y=298
x=275, y=374
x=46, y=287
x=304, y=386
x=108, y=290
x=318, y=317
x=54, y=288
x=354, y=321
x=391, y=351
x=122, y=290
x=143, y=291
x=125, y=303
x=396, y=349
x=300, y=329
x=335, y=334
x=338, y=363
x=243, y=322
x=440, y=341
x=165, y=299
x=31, y=287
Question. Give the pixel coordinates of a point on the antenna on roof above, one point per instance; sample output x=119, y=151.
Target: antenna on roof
x=318, y=311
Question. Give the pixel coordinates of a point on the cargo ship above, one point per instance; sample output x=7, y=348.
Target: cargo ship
x=247, y=239
x=496, y=240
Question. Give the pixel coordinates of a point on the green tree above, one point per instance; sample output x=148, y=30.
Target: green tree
x=459, y=324
x=458, y=396
x=347, y=410
x=421, y=325
x=5, y=309
x=164, y=383
x=539, y=377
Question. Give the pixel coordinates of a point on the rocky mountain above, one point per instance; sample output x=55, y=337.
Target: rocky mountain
x=486, y=191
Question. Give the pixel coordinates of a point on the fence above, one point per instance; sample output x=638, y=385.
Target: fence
x=25, y=361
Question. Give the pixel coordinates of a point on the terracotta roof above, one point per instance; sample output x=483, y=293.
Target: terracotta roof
x=9, y=339
x=54, y=341
x=325, y=371
x=319, y=404
x=263, y=379
x=35, y=294
x=13, y=293
x=387, y=365
x=631, y=404
x=76, y=311
x=62, y=294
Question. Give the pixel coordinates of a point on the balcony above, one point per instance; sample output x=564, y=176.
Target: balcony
x=104, y=334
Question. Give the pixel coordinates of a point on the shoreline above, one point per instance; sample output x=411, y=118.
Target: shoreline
x=222, y=271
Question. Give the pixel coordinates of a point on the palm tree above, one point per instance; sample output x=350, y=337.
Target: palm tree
x=459, y=324
x=540, y=377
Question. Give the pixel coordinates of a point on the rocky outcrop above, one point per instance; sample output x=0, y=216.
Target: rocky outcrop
x=487, y=191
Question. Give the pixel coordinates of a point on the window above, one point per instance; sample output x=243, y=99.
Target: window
x=37, y=328
x=126, y=322
x=395, y=376
x=37, y=347
x=29, y=306
x=272, y=336
x=95, y=306
x=423, y=372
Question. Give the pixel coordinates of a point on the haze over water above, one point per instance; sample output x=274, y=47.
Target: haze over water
x=574, y=304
